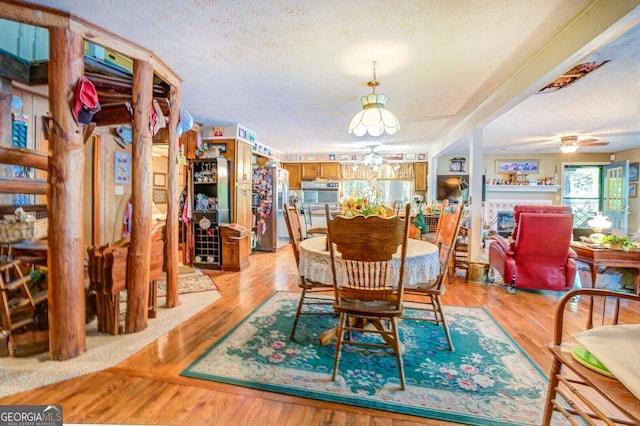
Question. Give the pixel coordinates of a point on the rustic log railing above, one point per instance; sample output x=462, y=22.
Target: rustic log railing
x=65, y=165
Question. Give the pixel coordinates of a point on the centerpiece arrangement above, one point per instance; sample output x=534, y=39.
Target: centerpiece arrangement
x=361, y=206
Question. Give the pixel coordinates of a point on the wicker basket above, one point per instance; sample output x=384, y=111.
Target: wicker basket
x=12, y=232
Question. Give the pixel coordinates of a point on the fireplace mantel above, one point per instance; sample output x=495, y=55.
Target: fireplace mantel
x=523, y=188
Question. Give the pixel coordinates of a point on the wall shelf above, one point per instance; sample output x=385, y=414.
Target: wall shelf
x=523, y=188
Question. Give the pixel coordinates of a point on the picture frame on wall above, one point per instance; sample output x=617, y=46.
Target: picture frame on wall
x=514, y=166
x=122, y=167
x=633, y=190
x=159, y=179
x=633, y=172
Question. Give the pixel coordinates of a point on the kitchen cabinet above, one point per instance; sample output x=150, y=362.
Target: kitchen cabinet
x=420, y=176
x=244, y=155
x=294, y=175
x=243, y=204
x=330, y=171
x=310, y=171
x=210, y=188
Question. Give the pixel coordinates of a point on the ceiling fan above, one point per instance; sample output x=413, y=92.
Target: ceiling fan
x=570, y=144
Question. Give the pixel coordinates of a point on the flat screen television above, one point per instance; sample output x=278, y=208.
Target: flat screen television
x=448, y=188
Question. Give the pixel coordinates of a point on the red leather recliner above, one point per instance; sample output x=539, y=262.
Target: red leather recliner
x=539, y=256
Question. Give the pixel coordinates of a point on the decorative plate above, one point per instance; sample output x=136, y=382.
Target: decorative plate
x=204, y=223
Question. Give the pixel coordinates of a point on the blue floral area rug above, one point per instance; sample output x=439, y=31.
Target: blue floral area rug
x=487, y=380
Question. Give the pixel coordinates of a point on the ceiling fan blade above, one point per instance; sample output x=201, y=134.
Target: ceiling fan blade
x=594, y=143
x=588, y=141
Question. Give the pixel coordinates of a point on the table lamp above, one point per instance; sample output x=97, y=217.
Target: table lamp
x=598, y=223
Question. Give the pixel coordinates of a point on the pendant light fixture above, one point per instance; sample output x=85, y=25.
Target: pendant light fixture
x=374, y=118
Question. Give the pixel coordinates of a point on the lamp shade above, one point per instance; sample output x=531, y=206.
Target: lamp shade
x=374, y=118
x=599, y=222
x=568, y=149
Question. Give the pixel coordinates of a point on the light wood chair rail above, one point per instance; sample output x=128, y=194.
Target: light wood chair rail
x=578, y=392
x=369, y=296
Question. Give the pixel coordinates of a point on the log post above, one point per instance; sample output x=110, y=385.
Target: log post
x=172, y=200
x=139, y=257
x=65, y=195
x=5, y=131
x=5, y=111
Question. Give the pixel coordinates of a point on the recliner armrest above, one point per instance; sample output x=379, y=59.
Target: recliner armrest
x=500, y=241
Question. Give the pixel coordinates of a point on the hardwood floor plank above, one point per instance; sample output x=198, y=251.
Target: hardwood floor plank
x=147, y=388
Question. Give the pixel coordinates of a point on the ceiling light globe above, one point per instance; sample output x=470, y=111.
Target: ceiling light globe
x=568, y=149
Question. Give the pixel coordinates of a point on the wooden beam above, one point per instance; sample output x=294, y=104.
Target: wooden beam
x=14, y=68
x=172, y=200
x=139, y=256
x=33, y=14
x=23, y=186
x=65, y=195
x=24, y=157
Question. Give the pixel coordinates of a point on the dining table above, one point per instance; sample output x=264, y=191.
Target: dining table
x=421, y=266
x=422, y=263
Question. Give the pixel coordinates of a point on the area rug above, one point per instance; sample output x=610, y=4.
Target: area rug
x=487, y=380
x=189, y=281
x=103, y=350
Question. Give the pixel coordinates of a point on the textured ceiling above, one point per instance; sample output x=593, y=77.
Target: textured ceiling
x=293, y=71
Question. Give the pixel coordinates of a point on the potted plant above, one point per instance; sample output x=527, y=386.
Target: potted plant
x=617, y=242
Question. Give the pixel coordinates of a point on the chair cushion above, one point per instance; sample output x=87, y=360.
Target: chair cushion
x=615, y=346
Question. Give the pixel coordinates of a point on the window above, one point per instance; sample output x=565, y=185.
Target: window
x=379, y=191
x=583, y=192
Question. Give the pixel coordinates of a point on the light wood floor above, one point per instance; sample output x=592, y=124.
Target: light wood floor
x=147, y=388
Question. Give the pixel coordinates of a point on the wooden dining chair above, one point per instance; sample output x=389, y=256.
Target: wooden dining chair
x=581, y=393
x=369, y=295
x=310, y=230
x=310, y=289
x=428, y=294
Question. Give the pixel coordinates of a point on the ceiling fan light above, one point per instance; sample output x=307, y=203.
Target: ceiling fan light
x=568, y=149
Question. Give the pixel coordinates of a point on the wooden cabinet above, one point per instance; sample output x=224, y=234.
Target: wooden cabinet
x=330, y=171
x=235, y=247
x=310, y=171
x=420, y=176
x=243, y=162
x=243, y=204
x=210, y=188
x=294, y=175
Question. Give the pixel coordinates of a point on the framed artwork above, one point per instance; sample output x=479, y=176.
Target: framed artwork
x=633, y=172
x=122, y=167
x=344, y=157
x=633, y=190
x=410, y=156
x=159, y=196
x=513, y=166
x=159, y=179
x=422, y=157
